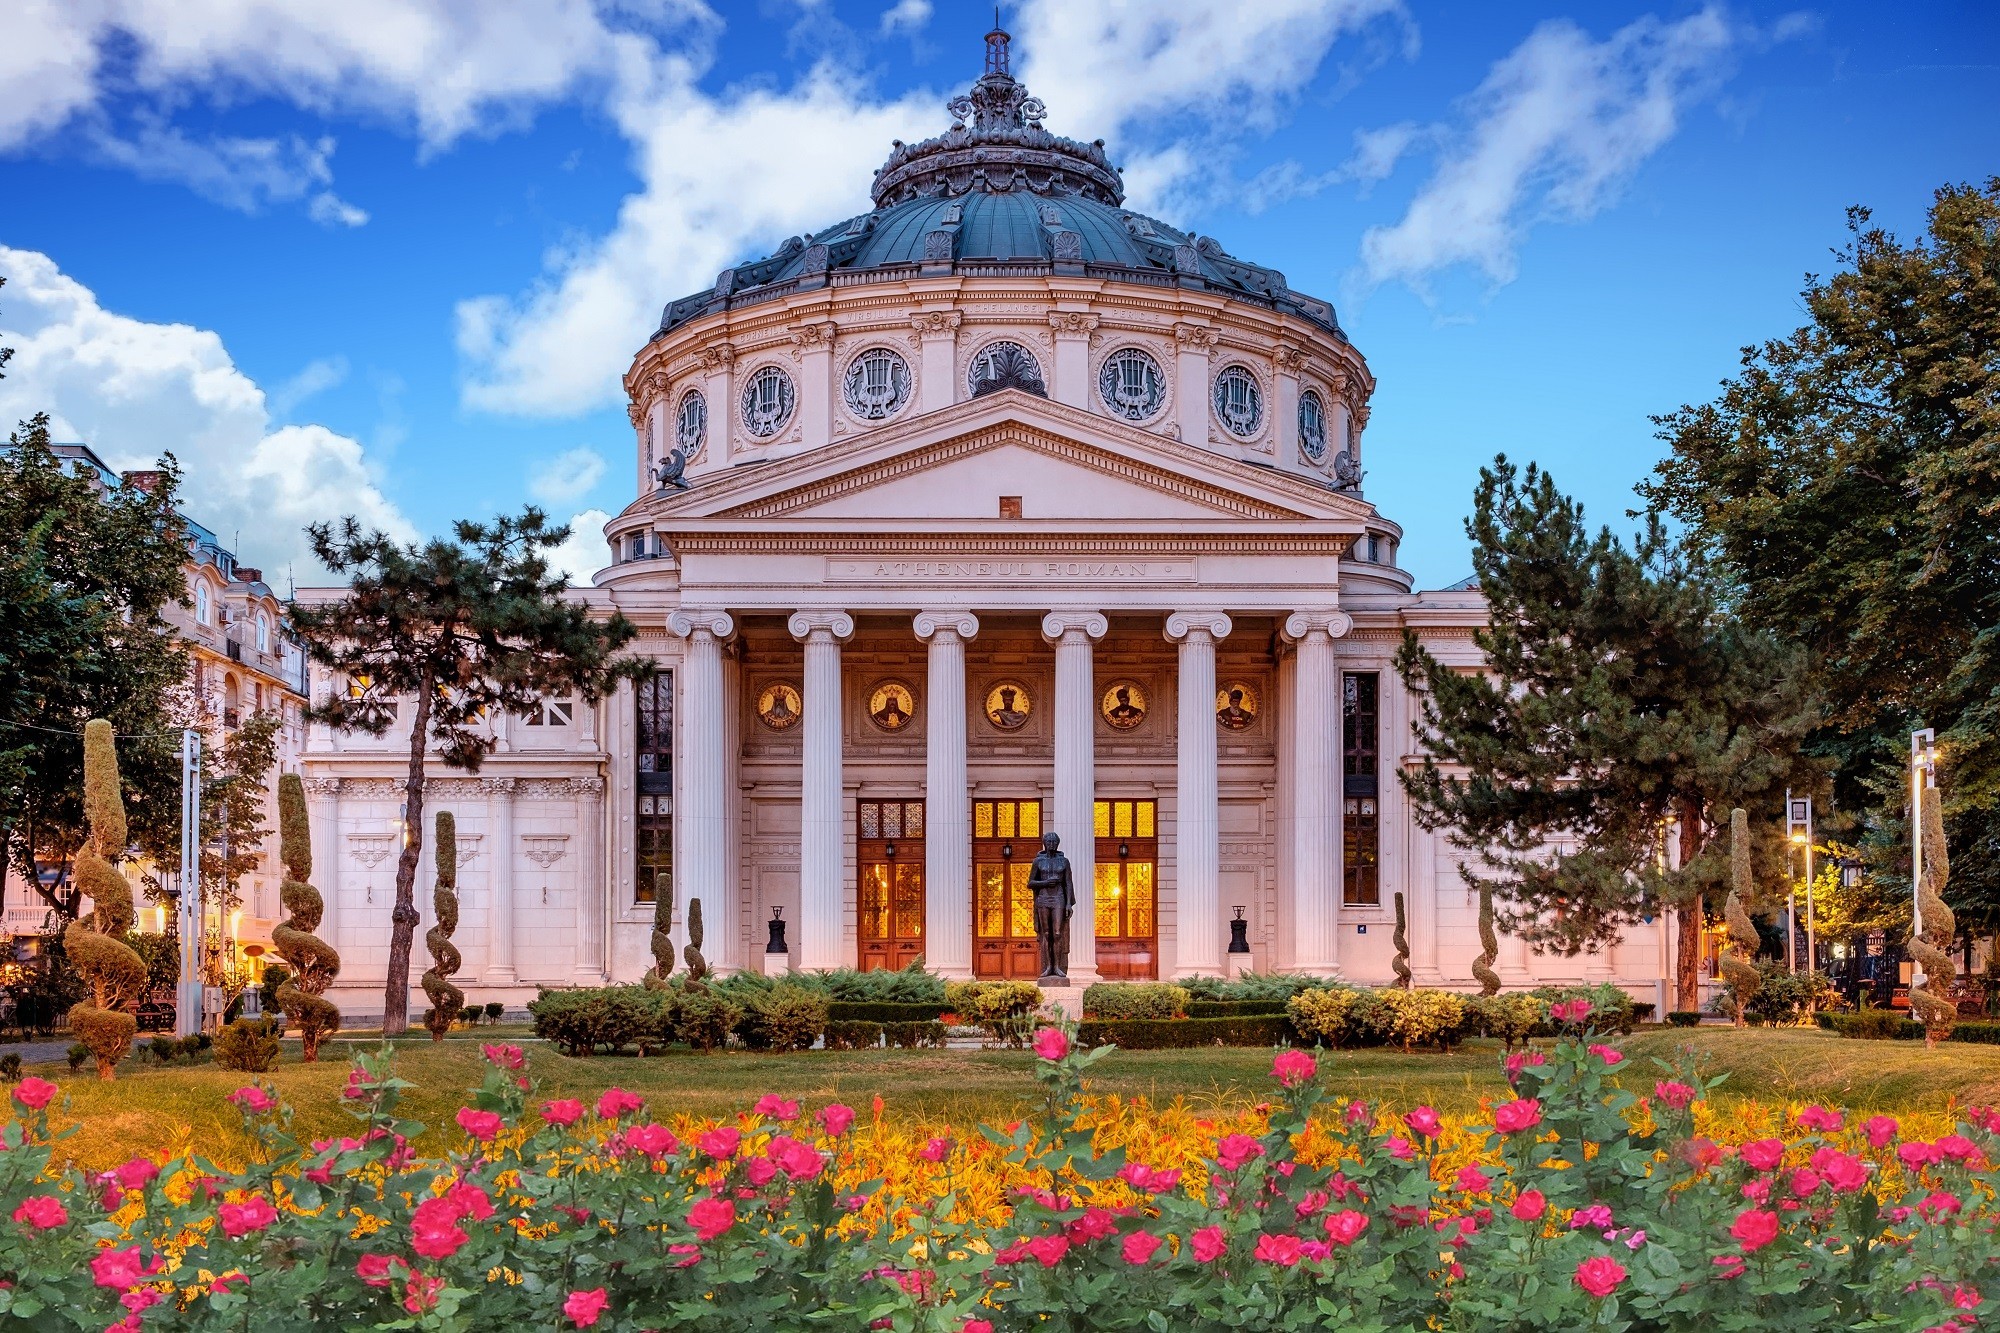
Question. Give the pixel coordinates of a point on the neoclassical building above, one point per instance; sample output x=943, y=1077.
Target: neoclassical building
x=997, y=509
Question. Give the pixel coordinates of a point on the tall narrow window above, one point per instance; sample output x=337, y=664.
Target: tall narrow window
x=655, y=760
x=1361, y=829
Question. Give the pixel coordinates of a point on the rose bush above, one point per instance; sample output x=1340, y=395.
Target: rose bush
x=1573, y=1203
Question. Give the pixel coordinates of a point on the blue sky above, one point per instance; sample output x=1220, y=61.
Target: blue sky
x=389, y=257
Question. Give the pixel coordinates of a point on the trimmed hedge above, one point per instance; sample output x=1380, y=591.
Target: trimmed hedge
x=859, y=1011
x=1887, y=1024
x=1684, y=1018
x=1129, y=999
x=911, y=1036
x=1159, y=1034
x=852, y=1034
x=1235, y=1008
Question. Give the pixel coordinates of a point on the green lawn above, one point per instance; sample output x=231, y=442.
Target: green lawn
x=151, y=1108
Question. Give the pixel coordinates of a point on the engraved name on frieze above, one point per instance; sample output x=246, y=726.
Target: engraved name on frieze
x=1027, y=570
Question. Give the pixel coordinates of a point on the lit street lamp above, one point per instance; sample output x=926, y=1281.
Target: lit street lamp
x=1798, y=828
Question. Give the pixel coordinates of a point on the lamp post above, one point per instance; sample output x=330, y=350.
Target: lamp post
x=1798, y=828
x=188, y=915
x=1923, y=777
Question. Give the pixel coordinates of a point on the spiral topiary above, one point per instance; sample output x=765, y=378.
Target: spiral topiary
x=697, y=965
x=1401, y=940
x=1738, y=973
x=96, y=944
x=662, y=942
x=313, y=961
x=1931, y=1002
x=1489, y=943
x=446, y=999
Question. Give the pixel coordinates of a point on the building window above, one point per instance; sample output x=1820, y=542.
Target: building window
x=1132, y=385
x=655, y=761
x=1239, y=402
x=552, y=713
x=767, y=402
x=1005, y=365
x=201, y=607
x=690, y=424
x=263, y=632
x=1312, y=426
x=1361, y=829
x=877, y=384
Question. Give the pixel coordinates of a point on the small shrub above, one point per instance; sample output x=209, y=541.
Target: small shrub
x=1004, y=1008
x=164, y=1049
x=704, y=1017
x=870, y=1011
x=1684, y=1018
x=1511, y=1018
x=494, y=1010
x=1161, y=1034
x=1610, y=1007
x=1336, y=1016
x=852, y=1034
x=1279, y=986
x=788, y=1017
x=912, y=1036
x=1126, y=999
x=248, y=1046
x=275, y=976
x=1785, y=1000
x=76, y=1055
x=10, y=1067
x=583, y=1022
x=197, y=1042
x=1421, y=1017
x=1235, y=1008
x=1873, y=1024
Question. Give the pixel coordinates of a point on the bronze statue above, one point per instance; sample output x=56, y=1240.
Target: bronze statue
x=1050, y=881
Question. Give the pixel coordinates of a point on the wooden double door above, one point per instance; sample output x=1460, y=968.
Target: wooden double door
x=891, y=898
x=1007, y=836
x=1128, y=860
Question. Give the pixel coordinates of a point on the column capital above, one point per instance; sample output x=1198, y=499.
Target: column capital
x=684, y=623
x=1216, y=624
x=1058, y=623
x=936, y=323
x=321, y=786
x=1072, y=323
x=962, y=623
x=1300, y=624
x=497, y=786
x=837, y=625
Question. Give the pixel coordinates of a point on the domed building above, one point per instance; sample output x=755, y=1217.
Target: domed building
x=997, y=510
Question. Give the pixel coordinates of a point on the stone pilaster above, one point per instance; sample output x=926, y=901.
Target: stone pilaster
x=499, y=794
x=937, y=336
x=1191, y=387
x=1072, y=819
x=323, y=803
x=947, y=802
x=1316, y=789
x=1070, y=376
x=725, y=925
x=590, y=966
x=1197, y=813
x=813, y=344
x=822, y=877
x=700, y=865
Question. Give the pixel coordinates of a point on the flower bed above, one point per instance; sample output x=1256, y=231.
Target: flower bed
x=1569, y=1203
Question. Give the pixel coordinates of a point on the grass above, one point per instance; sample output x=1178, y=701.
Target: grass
x=152, y=1108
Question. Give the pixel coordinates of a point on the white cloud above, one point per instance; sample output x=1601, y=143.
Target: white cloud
x=568, y=476
x=330, y=210
x=1556, y=128
x=134, y=390
x=906, y=16
x=585, y=552
x=244, y=174
x=1376, y=152
x=316, y=377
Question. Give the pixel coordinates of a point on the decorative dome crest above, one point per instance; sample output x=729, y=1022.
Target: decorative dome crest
x=1004, y=147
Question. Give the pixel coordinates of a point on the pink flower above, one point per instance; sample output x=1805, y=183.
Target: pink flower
x=721, y=1142
x=798, y=1160
x=253, y=1214
x=617, y=1102
x=936, y=1150
x=1570, y=1011
x=1208, y=1244
x=1051, y=1044
x=1471, y=1180
x=835, y=1118
x=1601, y=1274
x=1399, y=1148
x=1879, y=1129
x=711, y=1217
x=42, y=1212
x=1294, y=1067
x=1515, y=1116
x=1423, y=1121
x=136, y=1174
x=1596, y=1216
x=1763, y=1154
x=1139, y=1247
x=470, y=1201
x=1048, y=1251
x=1675, y=1095
x=1728, y=1266
x=252, y=1100
x=1916, y=1154
x=117, y=1269
x=760, y=1171
x=224, y=1281
x=434, y=1229
x=422, y=1293
x=1520, y=1060
x=1820, y=1120
x=1754, y=1228
x=1937, y=1205
x=976, y=1326
x=1359, y=1113
x=1804, y=1181
x=34, y=1093
x=1844, y=1172
x=1611, y=1055
x=1095, y=1224
x=1530, y=1206
x=504, y=1057
x=655, y=1141
x=1957, y=1148
x=1345, y=1227
x=1235, y=1151
x=563, y=1113
x=481, y=1125
x=1146, y=1180
x=1280, y=1250
x=585, y=1306
x=373, y=1269
x=776, y=1107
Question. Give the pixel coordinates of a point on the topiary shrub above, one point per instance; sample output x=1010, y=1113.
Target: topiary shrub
x=1738, y=973
x=1489, y=944
x=96, y=945
x=1401, y=939
x=1930, y=1003
x=661, y=942
x=275, y=976
x=248, y=1046
x=697, y=965
x=1684, y=1018
x=853, y=1034
x=494, y=1010
x=787, y=1017
x=312, y=961
x=446, y=999
x=1280, y=986
x=1142, y=999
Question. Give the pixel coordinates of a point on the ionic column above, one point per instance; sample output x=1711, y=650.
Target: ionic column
x=1316, y=790
x=323, y=797
x=822, y=877
x=1071, y=373
x=947, y=803
x=1073, y=818
x=588, y=967
x=499, y=793
x=725, y=918
x=701, y=799
x=1283, y=942
x=1197, y=807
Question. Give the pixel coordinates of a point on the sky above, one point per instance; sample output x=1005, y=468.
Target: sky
x=389, y=258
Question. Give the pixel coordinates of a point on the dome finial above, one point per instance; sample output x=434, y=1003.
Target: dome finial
x=996, y=46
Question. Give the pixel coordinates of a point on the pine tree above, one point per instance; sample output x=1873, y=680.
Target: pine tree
x=1621, y=696
x=446, y=999
x=453, y=631
x=312, y=961
x=96, y=945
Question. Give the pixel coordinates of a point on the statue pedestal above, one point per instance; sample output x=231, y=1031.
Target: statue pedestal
x=1069, y=999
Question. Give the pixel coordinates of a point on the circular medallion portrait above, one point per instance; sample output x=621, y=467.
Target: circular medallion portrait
x=1008, y=705
x=779, y=707
x=892, y=706
x=1236, y=706
x=1124, y=705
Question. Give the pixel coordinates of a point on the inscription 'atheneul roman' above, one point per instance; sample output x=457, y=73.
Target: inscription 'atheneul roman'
x=1109, y=570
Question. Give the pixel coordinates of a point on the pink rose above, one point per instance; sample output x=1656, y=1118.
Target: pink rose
x=1678, y=1096
x=798, y=1160
x=835, y=1118
x=936, y=1150
x=1597, y=1216
x=1820, y=1120
x=1345, y=1226
x=1139, y=1247
x=136, y=1174
x=1471, y=1180
x=760, y=1171
x=1235, y=1151
x=1570, y=1011
x=1209, y=1244
x=563, y=1113
x=976, y=1326
x=776, y=1107
x=505, y=1057
x=1917, y=1154
x=1611, y=1055
x=117, y=1269
x=1530, y=1206
x=721, y=1142
x=1600, y=1275
x=1048, y=1251
x=1424, y=1121
x=653, y=1140
x=252, y=1100
x=1762, y=1154
x=253, y=1214
x=1399, y=1148
x=617, y=1102
x=1294, y=1067
x=1844, y=1173
x=1754, y=1228
x=1728, y=1266
x=1051, y=1044
x=585, y=1306
x=1515, y=1116
x=1283, y=1251
x=1957, y=1148
x=373, y=1269
x=481, y=1125
x=42, y=1212
x=34, y=1093
x=1880, y=1129
x=711, y=1217
x=434, y=1229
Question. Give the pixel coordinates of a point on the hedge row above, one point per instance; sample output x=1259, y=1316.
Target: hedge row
x=852, y=1011
x=1158, y=1034
x=1888, y=1025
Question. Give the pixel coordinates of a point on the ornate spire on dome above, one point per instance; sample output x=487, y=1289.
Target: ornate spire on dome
x=1004, y=148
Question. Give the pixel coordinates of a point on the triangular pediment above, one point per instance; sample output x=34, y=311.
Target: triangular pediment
x=1065, y=465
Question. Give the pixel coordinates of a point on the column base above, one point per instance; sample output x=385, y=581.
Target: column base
x=498, y=976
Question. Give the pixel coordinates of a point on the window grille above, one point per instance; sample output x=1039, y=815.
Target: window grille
x=1312, y=426
x=691, y=422
x=1239, y=402
x=767, y=402
x=1132, y=385
x=877, y=385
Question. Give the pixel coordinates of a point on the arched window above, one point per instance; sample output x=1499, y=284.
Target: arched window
x=1312, y=426
x=201, y=606
x=263, y=632
x=690, y=422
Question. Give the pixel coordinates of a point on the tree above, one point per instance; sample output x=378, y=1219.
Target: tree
x=1844, y=482
x=312, y=961
x=446, y=999
x=1740, y=947
x=96, y=947
x=1931, y=1002
x=452, y=630
x=1621, y=697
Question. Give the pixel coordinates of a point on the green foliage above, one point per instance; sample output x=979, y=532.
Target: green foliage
x=1622, y=694
x=1421, y=1017
x=10, y=1067
x=910, y=1036
x=1235, y=1008
x=1685, y=1018
x=1511, y=1018
x=852, y=1034
x=910, y=985
x=605, y=1019
x=249, y=1046
x=1004, y=1008
x=882, y=1012
x=275, y=977
x=1401, y=940
x=1135, y=999
x=162, y=956
x=76, y=1055
x=787, y=1017
x=1158, y=1034
x=96, y=947
x=311, y=962
x=234, y=791
x=1489, y=944
x=446, y=999
x=495, y=1010
x=1738, y=971
x=1334, y=1016
x=697, y=965
x=704, y=1017
x=661, y=941
x=1787, y=1000
x=1280, y=986
x=457, y=630
x=1611, y=1009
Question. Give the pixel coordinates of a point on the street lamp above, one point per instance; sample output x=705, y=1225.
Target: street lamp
x=1923, y=777
x=1799, y=828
